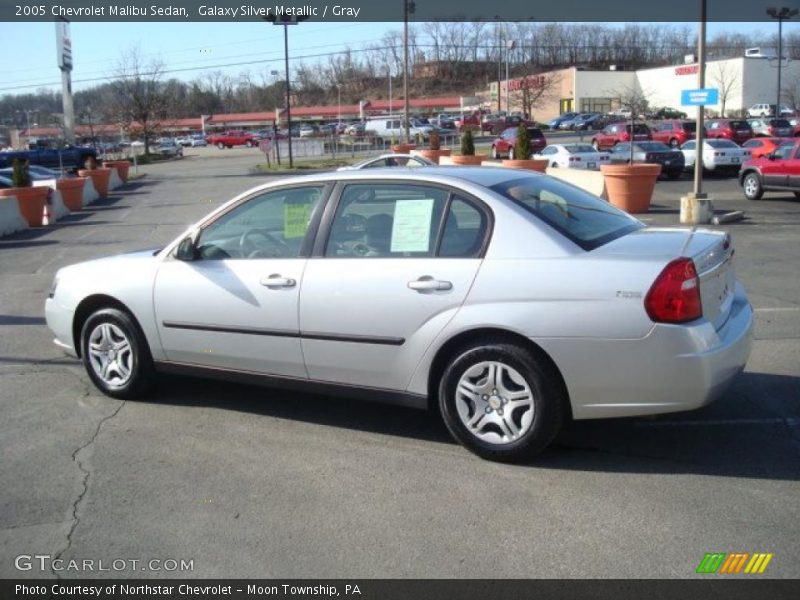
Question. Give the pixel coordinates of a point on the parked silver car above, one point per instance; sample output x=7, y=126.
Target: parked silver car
x=509, y=300
x=390, y=160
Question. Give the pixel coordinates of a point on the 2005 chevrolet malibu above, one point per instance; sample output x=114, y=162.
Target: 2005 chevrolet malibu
x=509, y=300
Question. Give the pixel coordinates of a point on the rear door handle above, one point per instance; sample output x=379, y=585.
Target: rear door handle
x=429, y=284
x=277, y=281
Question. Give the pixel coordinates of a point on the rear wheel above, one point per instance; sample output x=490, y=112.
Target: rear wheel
x=500, y=402
x=673, y=143
x=510, y=154
x=674, y=174
x=249, y=143
x=220, y=145
x=751, y=184
x=116, y=355
x=495, y=153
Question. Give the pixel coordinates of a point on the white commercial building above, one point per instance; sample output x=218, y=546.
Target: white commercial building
x=742, y=82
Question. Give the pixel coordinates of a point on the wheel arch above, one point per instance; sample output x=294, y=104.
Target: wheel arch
x=451, y=347
x=89, y=306
x=745, y=172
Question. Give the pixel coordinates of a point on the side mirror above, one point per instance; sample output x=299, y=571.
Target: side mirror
x=186, y=250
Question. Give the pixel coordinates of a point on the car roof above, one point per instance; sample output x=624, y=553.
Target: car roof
x=446, y=174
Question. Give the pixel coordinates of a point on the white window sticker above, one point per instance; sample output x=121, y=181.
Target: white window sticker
x=411, y=230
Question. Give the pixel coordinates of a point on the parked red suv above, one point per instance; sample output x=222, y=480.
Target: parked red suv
x=737, y=130
x=779, y=171
x=504, y=145
x=673, y=133
x=620, y=132
x=229, y=139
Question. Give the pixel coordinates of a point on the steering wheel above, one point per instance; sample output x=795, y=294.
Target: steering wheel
x=251, y=249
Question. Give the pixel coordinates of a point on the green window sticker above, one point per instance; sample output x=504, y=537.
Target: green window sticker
x=295, y=220
x=411, y=230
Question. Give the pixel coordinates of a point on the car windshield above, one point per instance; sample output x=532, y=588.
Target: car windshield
x=579, y=216
x=721, y=144
x=653, y=147
x=579, y=148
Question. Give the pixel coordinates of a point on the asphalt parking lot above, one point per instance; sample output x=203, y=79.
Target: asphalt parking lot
x=250, y=482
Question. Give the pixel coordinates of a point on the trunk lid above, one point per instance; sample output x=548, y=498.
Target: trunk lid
x=711, y=251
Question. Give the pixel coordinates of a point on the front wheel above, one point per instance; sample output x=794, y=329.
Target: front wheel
x=511, y=154
x=495, y=153
x=249, y=143
x=116, y=355
x=220, y=145
x=500, y=402
x=753, y=190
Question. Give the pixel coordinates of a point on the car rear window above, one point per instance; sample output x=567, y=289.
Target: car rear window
x=653, y=147
x=740, y=125
x=535, y=133
x=638, y=129
x=779, y=123
x=721, y=143
x=689, y=127
x=579, y=216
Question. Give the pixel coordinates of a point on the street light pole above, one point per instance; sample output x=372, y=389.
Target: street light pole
x=509, y=47
x=339, y=104
x=701, y=83
x=784, y=13
x=408, y=8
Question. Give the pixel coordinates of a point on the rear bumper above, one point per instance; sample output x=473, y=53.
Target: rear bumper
x=674, y=368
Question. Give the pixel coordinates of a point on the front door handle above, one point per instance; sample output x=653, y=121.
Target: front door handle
x=277, y=281
x=429, y=284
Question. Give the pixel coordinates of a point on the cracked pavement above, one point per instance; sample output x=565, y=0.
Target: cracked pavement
x=255, y=482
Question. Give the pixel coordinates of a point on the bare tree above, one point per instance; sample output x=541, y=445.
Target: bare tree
x=532, y=90
x=140, y=97
x=724, y=76
x=790, y=92
x=633, y=99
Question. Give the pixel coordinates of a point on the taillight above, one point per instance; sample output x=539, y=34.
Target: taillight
x=674, y=296
x=574, y=159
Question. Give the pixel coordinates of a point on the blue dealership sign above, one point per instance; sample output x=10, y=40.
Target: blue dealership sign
x=700, y=97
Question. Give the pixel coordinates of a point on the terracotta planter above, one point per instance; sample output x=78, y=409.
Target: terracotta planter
x=477, y=159
x=630, y=187
x=403, y=148
x=533, y=164
x=100, y=178
x=72, y=192
x=433, y=155
x=122, y=167
x=31, y=202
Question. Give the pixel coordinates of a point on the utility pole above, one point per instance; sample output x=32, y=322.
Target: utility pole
x=408, y=8
x=784, y=13
x=64, y=49
x=286, y=21
x=509, y=47
x=697, y=192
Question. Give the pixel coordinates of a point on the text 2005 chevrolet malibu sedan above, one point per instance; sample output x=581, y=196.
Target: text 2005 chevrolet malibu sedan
x=508, y=299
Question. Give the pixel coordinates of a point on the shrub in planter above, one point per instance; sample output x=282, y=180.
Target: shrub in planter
x=522, y=149
x=31, y=199
x=468, y=156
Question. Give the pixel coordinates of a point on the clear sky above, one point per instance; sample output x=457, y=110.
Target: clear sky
x=195, y=46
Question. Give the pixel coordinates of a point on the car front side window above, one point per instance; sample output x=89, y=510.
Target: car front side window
x=271, y=225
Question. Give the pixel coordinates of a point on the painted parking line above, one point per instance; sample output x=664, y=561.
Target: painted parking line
x=779, y=309
x=790, y=421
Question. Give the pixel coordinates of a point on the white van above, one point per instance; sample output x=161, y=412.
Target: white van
x=391, y=127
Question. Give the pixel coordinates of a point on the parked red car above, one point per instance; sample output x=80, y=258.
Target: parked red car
x=500, y=124
x=504, y=145
x=469, y=121
x=673, y=133
x=620, y=132
x=229, y=139
x=763, y=146
x=737, y=130
x=779, y=171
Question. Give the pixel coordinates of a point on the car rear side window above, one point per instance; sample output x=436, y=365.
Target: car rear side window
x=386, y=221
x=464, y=230
x=579, y=216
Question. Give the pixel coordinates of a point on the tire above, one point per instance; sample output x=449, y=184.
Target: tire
x=554, y=165
x=501, y=434
x=115, y=354
x=751, y=186
x=510, y=154
x=495, y=154
x=673, y=143
x=797, y=194
x=249, y=143
x=220, y=145
x=673, y=175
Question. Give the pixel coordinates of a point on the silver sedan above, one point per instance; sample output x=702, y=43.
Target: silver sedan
x=508, y=301
x=391, y=160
